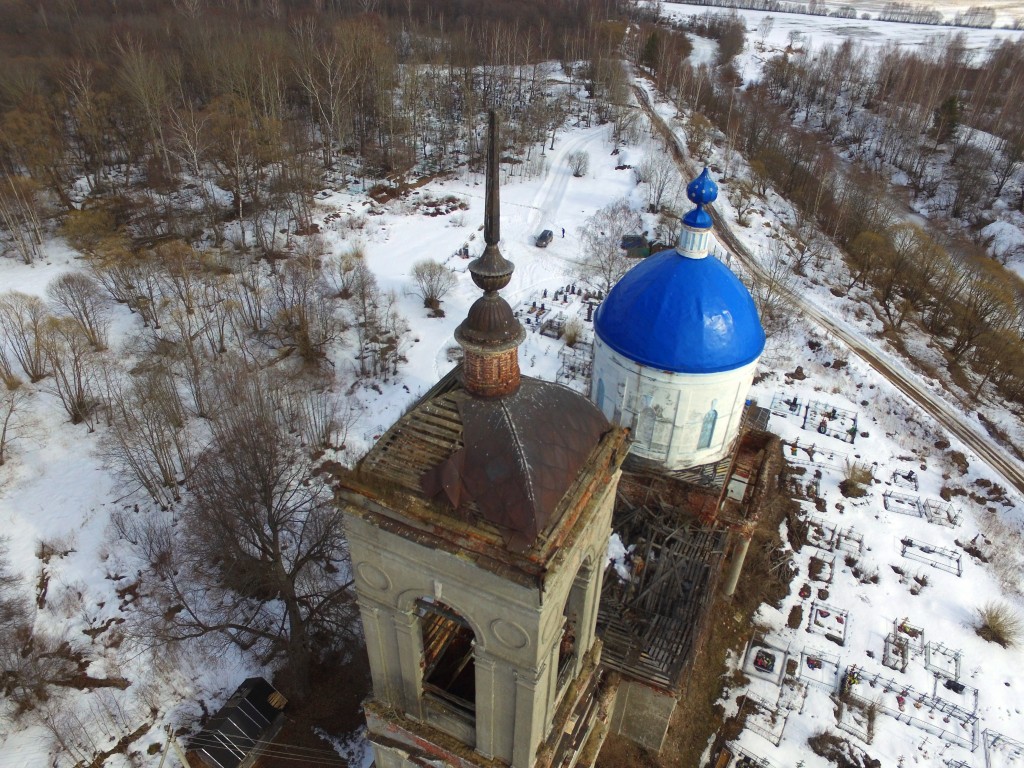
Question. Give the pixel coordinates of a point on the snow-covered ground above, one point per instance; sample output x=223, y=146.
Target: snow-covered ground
x=807, y=32
x=900, y=561
x=57, y=489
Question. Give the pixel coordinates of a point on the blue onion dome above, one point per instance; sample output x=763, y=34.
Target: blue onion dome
x=681, y=315
x=702, y=191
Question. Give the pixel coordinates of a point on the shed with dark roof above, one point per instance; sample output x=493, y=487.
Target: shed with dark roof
x=242, y=729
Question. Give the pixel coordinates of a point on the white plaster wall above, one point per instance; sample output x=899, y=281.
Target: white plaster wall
x=665, y=411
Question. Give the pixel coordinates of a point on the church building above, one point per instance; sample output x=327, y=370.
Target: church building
x=676, y=344
x=479, y=524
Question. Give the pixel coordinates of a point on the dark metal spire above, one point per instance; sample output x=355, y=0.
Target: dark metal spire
x=492, y=214
x=492, y=271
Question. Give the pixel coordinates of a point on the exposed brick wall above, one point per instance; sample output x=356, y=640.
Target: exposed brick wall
x=491, y=375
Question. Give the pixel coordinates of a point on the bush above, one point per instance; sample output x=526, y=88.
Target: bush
x=433, y=282
x=856, y=477
x=999, y=623
x=572, y=332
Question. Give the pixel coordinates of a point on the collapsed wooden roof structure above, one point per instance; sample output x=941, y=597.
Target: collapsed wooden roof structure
x=676, y=529
x=650, y=621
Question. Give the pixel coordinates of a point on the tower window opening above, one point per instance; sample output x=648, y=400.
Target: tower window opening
x=567, y=648
x=448, y=670
x=570, y=644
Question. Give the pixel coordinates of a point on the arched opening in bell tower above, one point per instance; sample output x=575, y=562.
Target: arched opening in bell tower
x=449, y=673
x=575, y=614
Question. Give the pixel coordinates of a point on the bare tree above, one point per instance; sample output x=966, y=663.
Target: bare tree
x=863, y=256
x=602, y=260
x=191, y=357
x=7, y=377
x=579, y=162
x=143, y=78
x=262, y=544
x=304, y=315
x=970, y=177
x=71, y=357
x=342, y=271
x=669, y=227
x=13, y=605
x=661, y=175
x=985, y=303
x=742, y=198
x=392, y=336
x=771, y=290
x=82, y=297
x=11, y=402
x=83, y=735
x=700, y=136
x=19, y=215
x=323, y=67
x=433, y=281
x=764, y=28
x=147, y=441
x=364, y=303
x=22, y=322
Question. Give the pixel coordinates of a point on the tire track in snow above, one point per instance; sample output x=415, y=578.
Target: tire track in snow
x=549, y=197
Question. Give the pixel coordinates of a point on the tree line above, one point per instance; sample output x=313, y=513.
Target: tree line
x=198, y=119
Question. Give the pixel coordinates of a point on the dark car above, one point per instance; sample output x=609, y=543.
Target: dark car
x=544, y=238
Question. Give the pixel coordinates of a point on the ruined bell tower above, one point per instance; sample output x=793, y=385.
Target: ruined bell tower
x=478, y=527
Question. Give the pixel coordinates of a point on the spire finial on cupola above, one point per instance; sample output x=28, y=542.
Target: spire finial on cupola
x=693, y=240
x=490, y=335
x=492, y=271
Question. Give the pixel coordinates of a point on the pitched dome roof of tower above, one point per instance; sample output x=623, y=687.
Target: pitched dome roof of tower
x=519, y=455
x=702, y=191
x=682, y=315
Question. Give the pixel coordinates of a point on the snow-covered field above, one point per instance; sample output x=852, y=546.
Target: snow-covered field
x=808, y=32
x=56, y=489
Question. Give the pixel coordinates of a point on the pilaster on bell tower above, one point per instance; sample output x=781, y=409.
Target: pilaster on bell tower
x=478, y=528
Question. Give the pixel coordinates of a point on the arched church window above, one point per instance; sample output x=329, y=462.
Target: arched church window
x=449, y=673
x=600, y=394
x=645, y=426
x=707, y=429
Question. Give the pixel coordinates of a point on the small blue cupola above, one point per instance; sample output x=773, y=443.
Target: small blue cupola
x=695, y=236
x=682, y=310
x=701, y=191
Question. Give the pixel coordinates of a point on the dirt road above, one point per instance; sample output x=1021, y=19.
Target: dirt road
x=905, y=381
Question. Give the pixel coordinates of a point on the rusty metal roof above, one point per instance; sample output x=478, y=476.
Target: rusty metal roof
x=521, y=453
x=506, y=461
